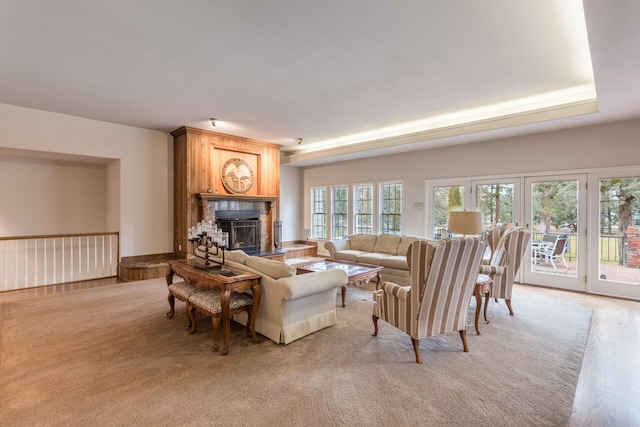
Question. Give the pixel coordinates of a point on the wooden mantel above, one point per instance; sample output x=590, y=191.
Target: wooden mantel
x=199, y=157
x=209, y=196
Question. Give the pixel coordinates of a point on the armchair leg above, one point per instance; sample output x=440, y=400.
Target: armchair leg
x=375, y=324
x=416, y=348
x=463, y=335
x=508, y=301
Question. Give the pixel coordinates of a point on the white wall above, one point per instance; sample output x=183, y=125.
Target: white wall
x=290, y=193
x=609, y=145
x=139, y=174
x=51, y=197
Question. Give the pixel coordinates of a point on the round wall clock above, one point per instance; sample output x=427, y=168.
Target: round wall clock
x=237, y=176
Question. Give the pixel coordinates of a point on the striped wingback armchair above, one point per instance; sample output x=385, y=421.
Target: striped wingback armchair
x=505, y=261
x=493, y=238
x=443, y=277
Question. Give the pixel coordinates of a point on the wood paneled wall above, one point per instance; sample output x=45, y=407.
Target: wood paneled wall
x=199, y=156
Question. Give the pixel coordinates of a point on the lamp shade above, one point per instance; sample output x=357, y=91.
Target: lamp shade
x=465, y=222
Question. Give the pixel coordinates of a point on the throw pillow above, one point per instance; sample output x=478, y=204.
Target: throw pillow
x=271, y=268
x=236, y=256
x=362, y=242
x=405, y=242
x=387, y=244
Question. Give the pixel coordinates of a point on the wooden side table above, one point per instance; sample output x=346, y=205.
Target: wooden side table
x=483, y=286
x=227, y=281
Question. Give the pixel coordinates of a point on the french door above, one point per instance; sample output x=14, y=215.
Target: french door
x=497, y=199
x=614, y=230
x=599, y=223
x=555, y=213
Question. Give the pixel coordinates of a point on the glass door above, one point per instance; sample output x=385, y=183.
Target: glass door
x=443, y=197
x=497, y=200
x=555, y=210
x=614, y=267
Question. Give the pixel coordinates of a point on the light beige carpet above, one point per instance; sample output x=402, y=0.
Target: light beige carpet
x=109, y=356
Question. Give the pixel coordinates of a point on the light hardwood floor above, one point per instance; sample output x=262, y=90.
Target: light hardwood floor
x=608, y=390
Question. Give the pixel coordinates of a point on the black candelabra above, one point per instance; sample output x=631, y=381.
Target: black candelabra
x=208, y=241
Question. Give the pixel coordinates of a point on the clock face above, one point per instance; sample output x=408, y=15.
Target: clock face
x=237, y=176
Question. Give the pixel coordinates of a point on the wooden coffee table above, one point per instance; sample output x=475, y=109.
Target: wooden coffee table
x=358, y=273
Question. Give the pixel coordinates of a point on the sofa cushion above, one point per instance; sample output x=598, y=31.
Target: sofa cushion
x=237, y=256
x=397, y=262
x=363, y=242
x=182, y=289
x=271, y=268
x=349, y=255
x=374, y=258
x=405, y=242
x=387, y=244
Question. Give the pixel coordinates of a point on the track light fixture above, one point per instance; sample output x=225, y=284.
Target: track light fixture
x=299, y=141
x=213, y=121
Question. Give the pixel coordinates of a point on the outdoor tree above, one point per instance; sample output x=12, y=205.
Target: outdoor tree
x=555, y=203
x=496, y=202
x=455, y=198
x=620, y=198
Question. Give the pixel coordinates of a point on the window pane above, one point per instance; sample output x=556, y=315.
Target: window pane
x=340, y=214
x=445, y=199
x=391, y=218
x=364, y=209
x=495, y=201
x=319, y=213
x=554, y=210
x=620, y=230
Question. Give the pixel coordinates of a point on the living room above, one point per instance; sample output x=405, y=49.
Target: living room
x=73, y=173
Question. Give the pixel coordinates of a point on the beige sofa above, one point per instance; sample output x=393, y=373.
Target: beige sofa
x=387, y=250
x=292, y=306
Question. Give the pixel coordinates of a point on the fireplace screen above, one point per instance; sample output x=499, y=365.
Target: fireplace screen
x=243, y=228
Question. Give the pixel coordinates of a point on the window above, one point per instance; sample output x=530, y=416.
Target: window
x=391, y=215
x=319, y=213
x=340, y=212
x=364, y=209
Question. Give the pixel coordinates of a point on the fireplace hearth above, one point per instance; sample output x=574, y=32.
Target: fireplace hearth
x=243, y=227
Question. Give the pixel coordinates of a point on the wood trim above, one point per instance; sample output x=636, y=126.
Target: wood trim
x=187, y=129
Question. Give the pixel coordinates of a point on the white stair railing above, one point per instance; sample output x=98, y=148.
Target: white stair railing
x=32, y=261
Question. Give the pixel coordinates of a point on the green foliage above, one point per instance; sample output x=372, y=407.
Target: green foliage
x=496, y=203
x=555, y=205
x=619, y=201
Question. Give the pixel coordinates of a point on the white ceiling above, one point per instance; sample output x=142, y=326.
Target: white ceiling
x=321, y=70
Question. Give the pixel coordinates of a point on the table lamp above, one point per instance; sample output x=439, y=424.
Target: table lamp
x=465, y=222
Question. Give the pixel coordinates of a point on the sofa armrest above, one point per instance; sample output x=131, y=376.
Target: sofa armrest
x=334, y=246
x=303, y=285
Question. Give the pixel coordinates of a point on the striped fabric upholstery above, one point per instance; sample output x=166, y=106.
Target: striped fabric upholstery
x=493, y=238
x=443, y=276
x=505, y=261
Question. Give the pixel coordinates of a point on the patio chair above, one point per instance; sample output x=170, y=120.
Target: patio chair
x=555, y=252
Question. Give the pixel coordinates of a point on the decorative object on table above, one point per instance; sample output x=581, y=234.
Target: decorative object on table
x=208, y=241
x=237, y=176
x=438, y=299
x=467, y=223
x=277, y=234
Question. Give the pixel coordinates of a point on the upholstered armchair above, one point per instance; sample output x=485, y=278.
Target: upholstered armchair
x=505, y=260
x=443, y=277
